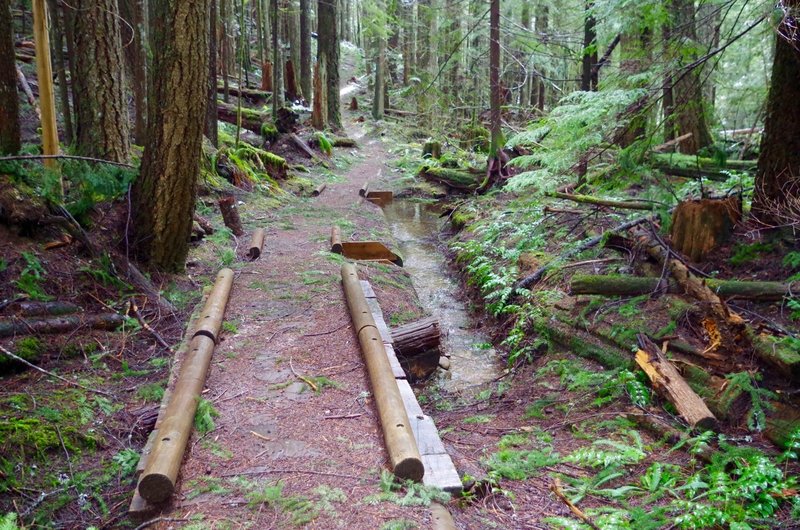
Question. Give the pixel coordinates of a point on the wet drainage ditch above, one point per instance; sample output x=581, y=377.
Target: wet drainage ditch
x=416, y=228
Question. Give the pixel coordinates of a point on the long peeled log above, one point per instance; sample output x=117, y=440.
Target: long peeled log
x=158, y=480
x=400, y=443
x=669, y=383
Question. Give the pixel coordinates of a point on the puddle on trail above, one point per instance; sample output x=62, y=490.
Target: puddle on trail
x=415, y=226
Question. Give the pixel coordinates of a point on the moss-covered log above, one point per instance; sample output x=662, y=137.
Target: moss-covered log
x=680, y=161
x=60, y=324
x=597, y=201
x=251, y=96
x=776, y=354
x=619, y=285
x=252, y=120
x=782, y=422
x=458, y=179
x=582, y=344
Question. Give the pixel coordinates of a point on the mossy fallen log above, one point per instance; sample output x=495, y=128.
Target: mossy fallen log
x=681, y=161
x=60, y=324
x=782, y=422
x=776, y=354
x=582, y=343
x=252, y=120
x=597, y=201
x=458, y=179
x=619, y=285
x=250, y=95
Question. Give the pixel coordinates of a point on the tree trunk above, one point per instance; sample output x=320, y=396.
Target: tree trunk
x=776, y=198
x=211, y=124
x=10, y=142
x=99, y=82
x=223, y=44
x=690, y=113
x=57, y=43
x=494, y=77
x=305, y=49
x=380, y=76
x=319, y=113
x=165, y=192
x=328, y=48
x=277, y=60
x=132, y=11
x=589, y=60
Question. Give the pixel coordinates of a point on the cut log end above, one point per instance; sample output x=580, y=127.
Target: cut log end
x=156, y=488
x=410, y=468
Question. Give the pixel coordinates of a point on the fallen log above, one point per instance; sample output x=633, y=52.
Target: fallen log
x=537, y=275
x=457, y=179
x=400, y=442
x=417, y=337
x=363, y=190
x=619, y=285
x=319, y=189
x=29, y=308
x=692, y=285
x=672, y=143
x=60, y=324
x=776, y=354
x=588, y=199
x=230, y=215
x=252, y=120
x=306, y=149
x=252, y=96
x=204, y=223
x=782, y=422
x=668, y=382
x=158, y=479
x=256, y=244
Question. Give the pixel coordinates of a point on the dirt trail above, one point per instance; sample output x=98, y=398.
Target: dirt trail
x=292, y=333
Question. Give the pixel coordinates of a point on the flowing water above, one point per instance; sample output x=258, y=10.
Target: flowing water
x=473, y=361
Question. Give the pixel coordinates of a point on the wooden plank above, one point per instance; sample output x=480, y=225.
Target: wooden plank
x=397, y=368
x=369, y=292
x=369, y=250
x=409, y=399
x=441, y=473
x=428, y=441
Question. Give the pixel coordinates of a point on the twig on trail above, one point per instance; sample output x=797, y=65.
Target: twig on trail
x=342, y=417
x=70, y=157
x=555, y=487
x=218, y=401
x=290, y=471
x=51, y=374
x=133, y=309
x=151, y=522
x=261, y=436
x=346, y=324
x=306, y=380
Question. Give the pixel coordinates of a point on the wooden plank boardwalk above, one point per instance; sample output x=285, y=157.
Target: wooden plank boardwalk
x=439, y=468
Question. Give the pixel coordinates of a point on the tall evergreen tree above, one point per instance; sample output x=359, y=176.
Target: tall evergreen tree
x=211, y=104
x=305, y=48
x=328, y=52
x=9, y=100
x=99, y=81
x=776, y=199
x=165, y=193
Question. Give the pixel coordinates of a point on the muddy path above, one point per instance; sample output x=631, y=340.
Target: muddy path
x=295, y=413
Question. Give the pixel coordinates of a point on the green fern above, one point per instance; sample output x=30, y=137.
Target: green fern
x=204, y=416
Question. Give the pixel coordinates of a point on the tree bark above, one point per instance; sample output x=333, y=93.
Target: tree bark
x=277, y=60
x=10, y=141
x=57, y=43
x=133, y=37
x=776, y=198
x=100, y=82
x=165, y=192
x=588, y=71
x=494, y=77
x=416, y=337
x=211, y=123
x=328, y=49
x=305, y=49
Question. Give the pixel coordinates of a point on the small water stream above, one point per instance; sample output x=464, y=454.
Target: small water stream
x=415, y=226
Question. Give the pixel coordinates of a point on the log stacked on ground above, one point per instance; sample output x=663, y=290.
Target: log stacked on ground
x=157, y=483
x=256, y=244
x=400, y=443
x=417, y=337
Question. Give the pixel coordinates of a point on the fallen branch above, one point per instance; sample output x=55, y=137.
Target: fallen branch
x=304, y=379
x=59, y=324
x=69, y=157
x=26, y=88
x=51, y=374
x=589, y=243
x=555, y=487
x=672, y=143
x=133, y=309
x=588, y=199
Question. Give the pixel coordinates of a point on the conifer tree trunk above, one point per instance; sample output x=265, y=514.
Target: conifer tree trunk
x=9, y=101
x=589, y=60
x=776, y=199
x=328, y=49
x=100, y=82
x=380, y=86
x=407, y=22
x=211, y=125
x=164, y=194
x=136, y=60
x=305, y=49
x=494, y=76
x=277, y=59
x=541, y=27
x=225, y=50
x=57, y=43
x=687, y=89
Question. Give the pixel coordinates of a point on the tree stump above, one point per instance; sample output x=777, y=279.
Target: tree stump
x=230, y=215
x=432, y=149
x=700, y=226
x=266, y=76
x=291, y=83
x=354, y=104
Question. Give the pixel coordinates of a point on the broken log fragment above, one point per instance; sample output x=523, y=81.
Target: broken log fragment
x=157, y=482
x=204, y=223
x=354, y=104
x=700, y=226
x=417, y=337
x=669, y=383
x=432, y=149
x=319, y=189
x=256, y=244
x=230, y=215
x=60, y=324
x=620, y=285
x=336, y=240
